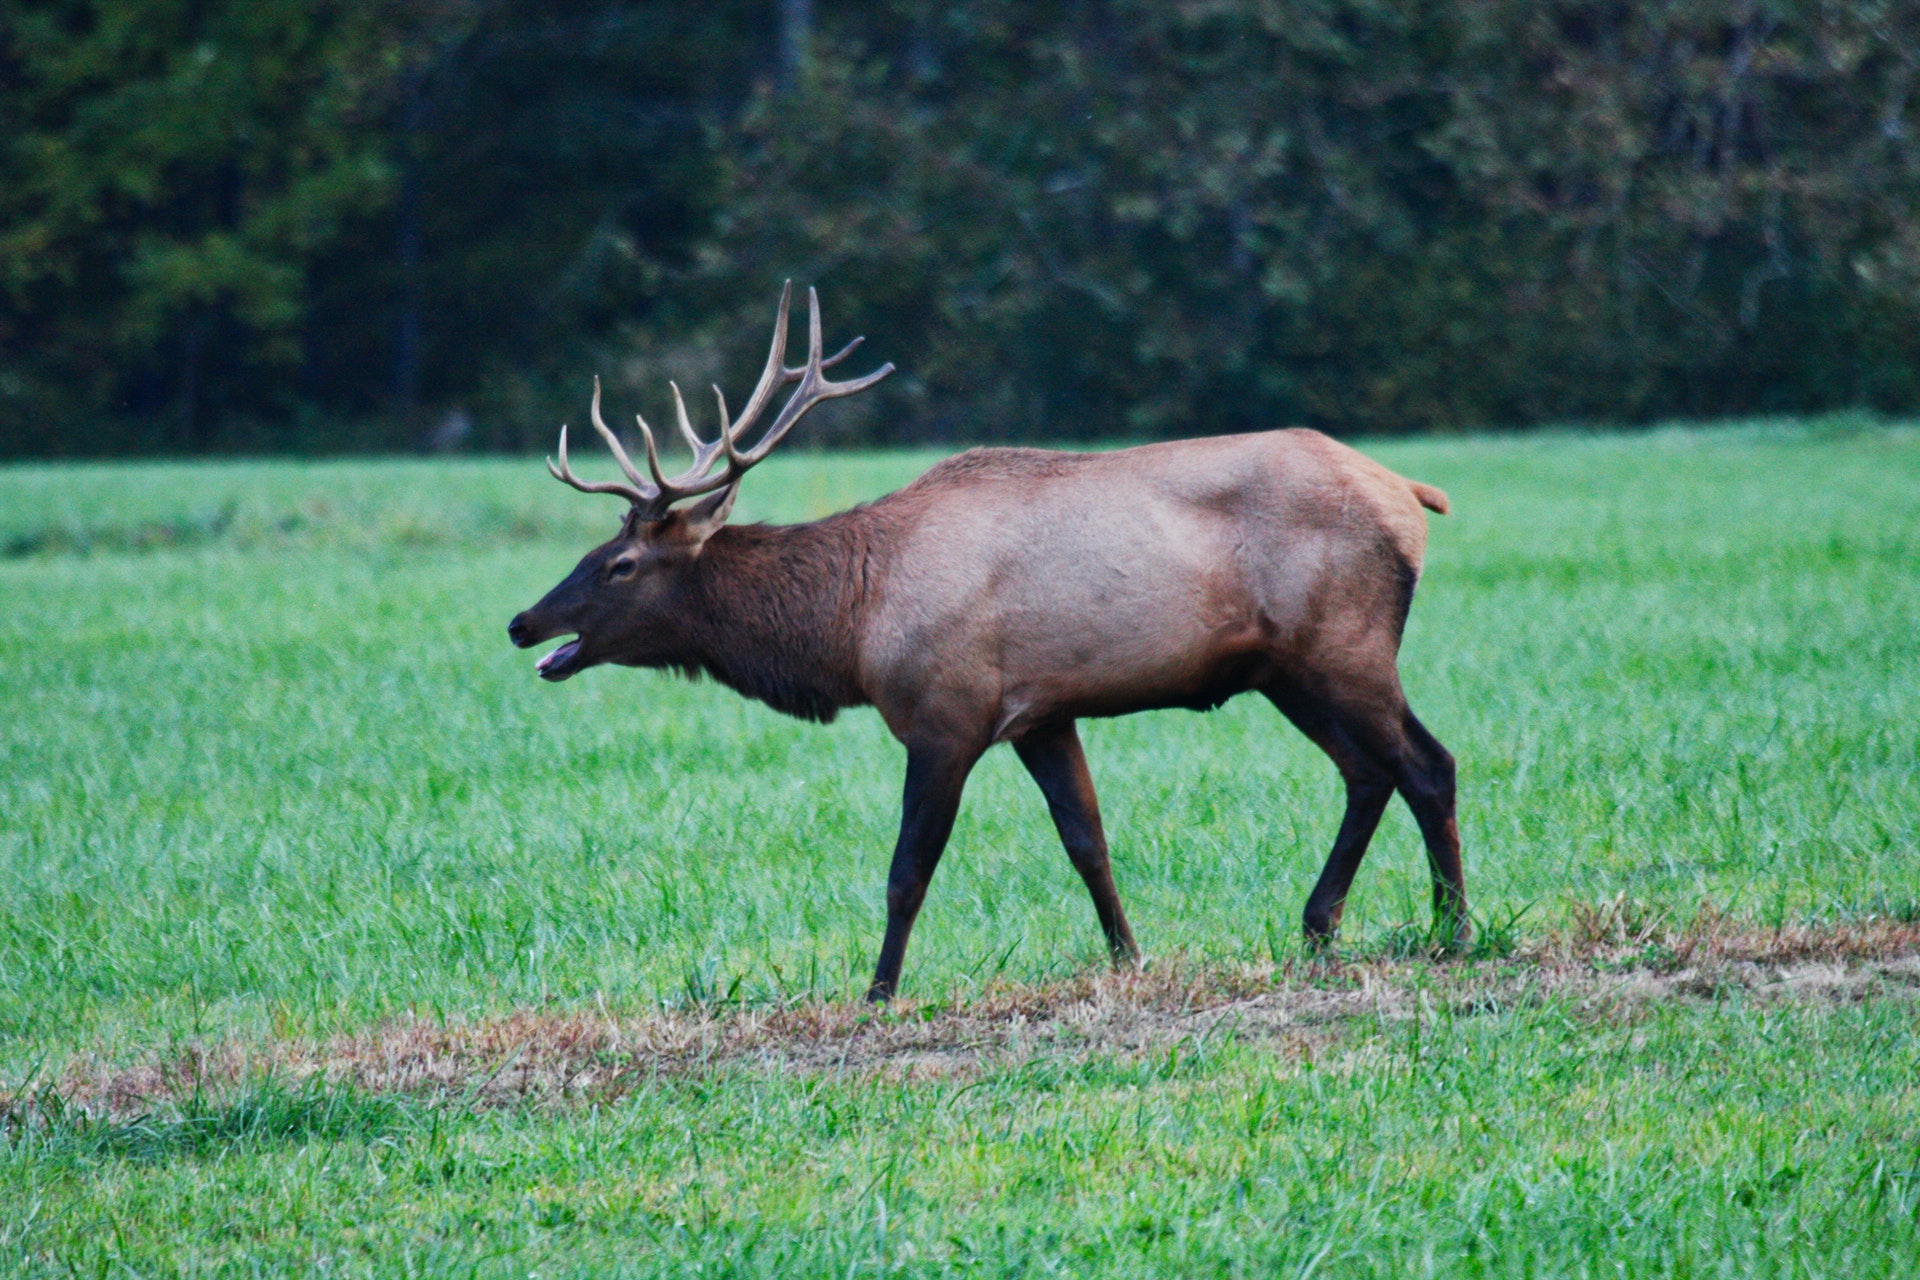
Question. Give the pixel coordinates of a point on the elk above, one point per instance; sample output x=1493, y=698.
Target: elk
x=1009, y=593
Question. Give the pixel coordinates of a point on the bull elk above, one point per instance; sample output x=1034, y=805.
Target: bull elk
x=1008, y=593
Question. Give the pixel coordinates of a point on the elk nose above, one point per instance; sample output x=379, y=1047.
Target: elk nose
x=519, y=632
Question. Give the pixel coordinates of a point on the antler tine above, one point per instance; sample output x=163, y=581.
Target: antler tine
x=835, y=390
x=694, y=480
x=812, y=390
x=686, y=427
x=775, y=375
x=620, y=454
x=835, y=358
x=704, y=451
x=564, y=474
x=726, y=433
x=654, y=499
x=803, y=400
x=813, y=330
x=660, y=484
x=690, y=482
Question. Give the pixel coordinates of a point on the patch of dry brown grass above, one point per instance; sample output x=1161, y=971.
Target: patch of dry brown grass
x=1624, y=931
x=1610, y=961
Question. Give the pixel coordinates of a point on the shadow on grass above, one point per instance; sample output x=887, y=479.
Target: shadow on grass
x=316, y=523
x=46, y=1123
x=150, y=535
x=1496, y=936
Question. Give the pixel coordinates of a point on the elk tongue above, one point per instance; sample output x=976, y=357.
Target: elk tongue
x=558, y=658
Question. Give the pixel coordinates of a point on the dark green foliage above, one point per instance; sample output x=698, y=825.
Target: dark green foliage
x=265, y=223
x=383, y=222
x=1154, y=219
x=168, y=172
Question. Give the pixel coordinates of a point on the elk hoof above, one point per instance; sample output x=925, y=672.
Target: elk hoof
x=1455, y=937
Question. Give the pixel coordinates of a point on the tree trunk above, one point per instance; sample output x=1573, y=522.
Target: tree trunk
x=796, y=41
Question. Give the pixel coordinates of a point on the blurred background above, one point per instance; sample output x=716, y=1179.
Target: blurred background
x=409, y=225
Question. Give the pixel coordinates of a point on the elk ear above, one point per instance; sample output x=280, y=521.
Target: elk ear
x=704, y=518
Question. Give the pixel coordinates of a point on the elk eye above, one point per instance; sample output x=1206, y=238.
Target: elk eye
x=622, y=568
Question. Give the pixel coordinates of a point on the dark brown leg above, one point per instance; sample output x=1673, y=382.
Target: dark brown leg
x=1368, y=791
x=1054, y=757
x=935, y=778
x=1426, y=781
x=1377, y=752
x=1369, y=787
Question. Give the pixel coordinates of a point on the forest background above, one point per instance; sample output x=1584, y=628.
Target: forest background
x=270, y=225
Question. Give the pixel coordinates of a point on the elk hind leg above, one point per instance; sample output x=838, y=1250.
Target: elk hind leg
x=1370, y=784
x=1379, y=747
x=1425, y=776
x=1054, y=757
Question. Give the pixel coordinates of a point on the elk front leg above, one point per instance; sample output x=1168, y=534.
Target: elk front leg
x=936, y=775
x=1055, y=759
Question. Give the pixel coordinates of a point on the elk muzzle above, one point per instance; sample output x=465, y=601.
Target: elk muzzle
x=526, y=631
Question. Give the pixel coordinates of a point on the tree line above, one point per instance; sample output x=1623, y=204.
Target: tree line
x=409, y=223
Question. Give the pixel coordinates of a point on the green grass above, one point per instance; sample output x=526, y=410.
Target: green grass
x=269, y=767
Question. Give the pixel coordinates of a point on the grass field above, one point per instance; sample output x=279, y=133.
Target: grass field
x=270, y=776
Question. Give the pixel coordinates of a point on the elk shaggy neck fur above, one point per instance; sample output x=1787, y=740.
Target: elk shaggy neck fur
x=777, y=613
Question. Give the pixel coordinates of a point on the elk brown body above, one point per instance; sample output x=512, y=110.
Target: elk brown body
x=1008, y=593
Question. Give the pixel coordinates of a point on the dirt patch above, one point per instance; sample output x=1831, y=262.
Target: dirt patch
x=1604, y=967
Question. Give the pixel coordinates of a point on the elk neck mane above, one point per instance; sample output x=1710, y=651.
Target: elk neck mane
x=778, y=612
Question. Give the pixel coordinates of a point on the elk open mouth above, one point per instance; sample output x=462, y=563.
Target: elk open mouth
x=561, y=663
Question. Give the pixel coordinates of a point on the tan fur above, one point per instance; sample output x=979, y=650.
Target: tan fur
x=1432, y=499
x=1016, y=586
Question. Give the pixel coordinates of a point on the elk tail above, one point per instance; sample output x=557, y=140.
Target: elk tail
x=1434, y=500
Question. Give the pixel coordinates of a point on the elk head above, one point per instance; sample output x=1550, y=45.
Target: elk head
x=627, y=599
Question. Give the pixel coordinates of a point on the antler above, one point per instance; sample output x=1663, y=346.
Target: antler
x=653, y=498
